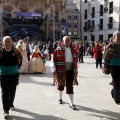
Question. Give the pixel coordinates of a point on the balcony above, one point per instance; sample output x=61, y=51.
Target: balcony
x=110, y=10
x=93, y=15
x=110, y=25
x=85, y=16
x=85, y=29
x=101, y=13
x=100, y=27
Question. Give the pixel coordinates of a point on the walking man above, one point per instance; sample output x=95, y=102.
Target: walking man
x=64, y=69
x=10, y=61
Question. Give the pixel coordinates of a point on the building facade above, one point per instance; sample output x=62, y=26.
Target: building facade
x=100, y=18
x=47, y=15
x=72, y=17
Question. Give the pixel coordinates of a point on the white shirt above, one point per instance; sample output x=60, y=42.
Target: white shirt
x=68, y=58
x=68, y=55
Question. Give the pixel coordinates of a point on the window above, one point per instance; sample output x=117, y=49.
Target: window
x=101, y=24
x=75, y=26
x=75, y=33
x=69, y=25
x=93, y=12
x=110, y=24
x=75, y=17
x=110, y=7
x=85, y=27
x=101, y=10
x=93, y=24
x=7, y=14
x=69, y=17
x=69, y=33
x=101, y=38
x=85, y=38
x=89, y=25
x=85, y=1
x=109, y=36
x=85, y=16
x=92, y=38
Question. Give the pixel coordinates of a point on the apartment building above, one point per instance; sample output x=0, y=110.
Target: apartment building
x=73, y=19
x=100, y=18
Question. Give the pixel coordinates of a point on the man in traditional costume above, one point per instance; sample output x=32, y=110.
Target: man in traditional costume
x=10, y=61
x=64, y=69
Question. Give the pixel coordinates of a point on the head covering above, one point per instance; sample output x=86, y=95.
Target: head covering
x=116, y=32
x=19, y=43
x=34, y=50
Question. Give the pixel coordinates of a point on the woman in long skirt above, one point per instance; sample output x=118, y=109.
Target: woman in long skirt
x=36, y=62
x=25, y=64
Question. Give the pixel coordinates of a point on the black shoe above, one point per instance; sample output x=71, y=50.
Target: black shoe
x=60, y=101
x=73, y=107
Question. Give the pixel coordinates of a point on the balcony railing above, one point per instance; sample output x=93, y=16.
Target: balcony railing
x=100, y=27
x=85, y=29
x=101, y=13
x=110, y=25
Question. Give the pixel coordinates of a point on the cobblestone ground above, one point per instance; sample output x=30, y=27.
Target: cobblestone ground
x=36, y=98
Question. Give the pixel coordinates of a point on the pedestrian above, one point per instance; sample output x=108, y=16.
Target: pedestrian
x=80, y=52
x=28, y=48
x=64, y=69
x=97, y=50
x=36, y=62
x=25, y=64
x=112, y=58
x=10, y=61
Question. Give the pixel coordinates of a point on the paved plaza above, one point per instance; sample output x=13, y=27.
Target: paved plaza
x=36, y=98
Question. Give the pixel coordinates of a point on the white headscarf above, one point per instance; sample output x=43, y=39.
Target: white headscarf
x=18, y=44
x=34, y=50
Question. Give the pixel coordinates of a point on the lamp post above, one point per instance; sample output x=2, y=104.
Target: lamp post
x=91, y=32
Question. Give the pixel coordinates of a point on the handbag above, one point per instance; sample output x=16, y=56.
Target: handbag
x=106, y=69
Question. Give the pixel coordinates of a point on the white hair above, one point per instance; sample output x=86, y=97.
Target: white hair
x=65, y=37
x=6, y=37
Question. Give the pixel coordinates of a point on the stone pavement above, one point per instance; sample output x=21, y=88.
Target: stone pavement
x=36, y=98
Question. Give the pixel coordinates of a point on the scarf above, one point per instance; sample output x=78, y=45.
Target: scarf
x=59, y=60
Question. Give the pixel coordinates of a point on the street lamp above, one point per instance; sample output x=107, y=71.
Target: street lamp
x=91, y=32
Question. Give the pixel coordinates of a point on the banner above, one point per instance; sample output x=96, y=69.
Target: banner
x=28, y=14
x=64, y=28
x=23, y=31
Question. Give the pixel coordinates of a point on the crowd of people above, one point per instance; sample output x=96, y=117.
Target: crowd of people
x=30, y=57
